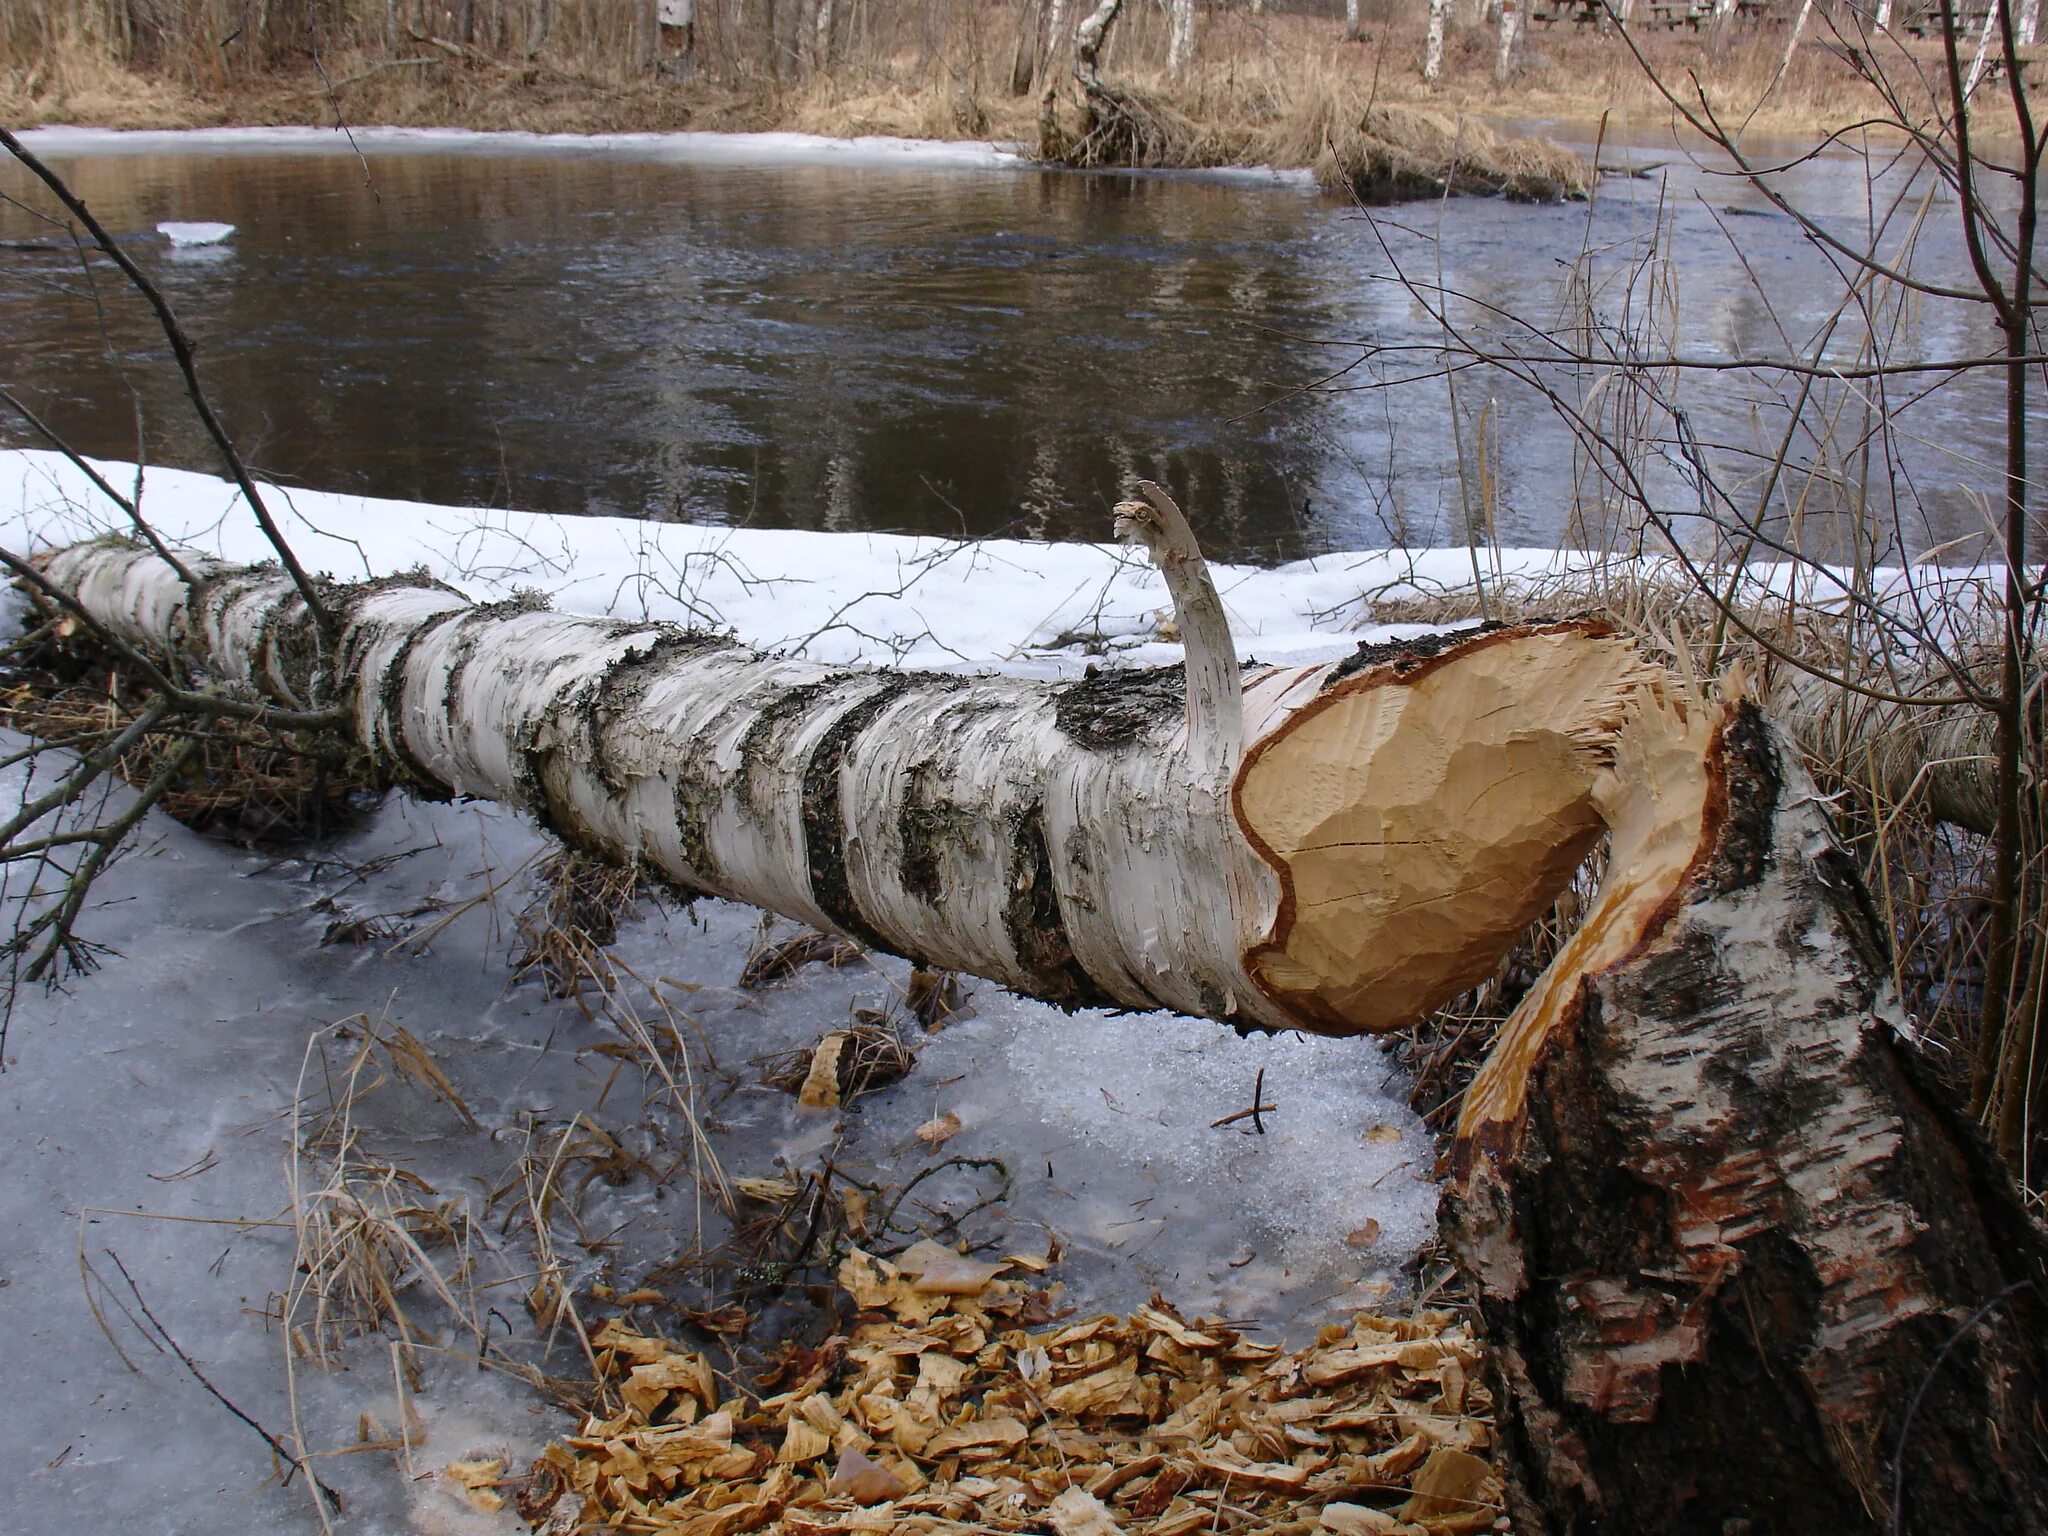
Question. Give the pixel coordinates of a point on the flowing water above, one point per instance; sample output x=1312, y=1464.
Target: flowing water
x=626, y=327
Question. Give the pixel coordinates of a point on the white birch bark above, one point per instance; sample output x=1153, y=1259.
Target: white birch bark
x=1055, y=38
x=1180, y=48
x=1237, y=845
x=1982, y=57
x=1352, y=29
x=1884, y=15
x=1510, y=39
x=2027, y=23
x=1433, y=48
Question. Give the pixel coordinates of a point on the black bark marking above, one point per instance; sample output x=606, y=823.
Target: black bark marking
x=421, y=779
x=1116, y=709
x=1037, y=928
x=1404, y=654
x=1753, y=781
x=625, y=683
x=763, y=741
x=824, y=827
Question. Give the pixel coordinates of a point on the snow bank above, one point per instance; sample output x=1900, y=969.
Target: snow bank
x=872, y=151
x=1003, y=604
x=697, y=148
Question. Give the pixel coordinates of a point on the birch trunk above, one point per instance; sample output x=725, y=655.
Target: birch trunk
x=1510, y=40
x=1433, y=48
x=1824, y=1309
x=1215, y=842
x=1180, y=47
x=1352, y=30
x=2027, y=23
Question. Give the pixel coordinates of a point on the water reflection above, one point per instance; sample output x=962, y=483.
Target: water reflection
x=937, y=351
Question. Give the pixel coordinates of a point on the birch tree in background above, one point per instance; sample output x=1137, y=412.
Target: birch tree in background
x=1180, y=49
x=1510, y=40
x=1352, y=29
x=1433, y=49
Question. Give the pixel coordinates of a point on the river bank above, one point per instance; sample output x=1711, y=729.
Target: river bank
x=1261, y=90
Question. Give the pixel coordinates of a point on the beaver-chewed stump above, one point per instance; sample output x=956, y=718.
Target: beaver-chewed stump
x=1744, y=1270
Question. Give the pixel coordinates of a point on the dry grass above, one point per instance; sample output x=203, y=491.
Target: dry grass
x=245, y=782
x=1274, y=89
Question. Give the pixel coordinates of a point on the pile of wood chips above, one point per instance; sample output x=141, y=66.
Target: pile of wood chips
x=941, y=1413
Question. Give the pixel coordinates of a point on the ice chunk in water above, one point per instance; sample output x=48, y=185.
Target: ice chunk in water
x=182, y=234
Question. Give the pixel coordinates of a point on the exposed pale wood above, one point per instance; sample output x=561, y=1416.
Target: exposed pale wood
x=1421, y=814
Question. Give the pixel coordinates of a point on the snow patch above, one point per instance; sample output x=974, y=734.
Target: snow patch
x=700, y=148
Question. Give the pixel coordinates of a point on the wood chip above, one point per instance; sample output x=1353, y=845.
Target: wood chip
x=1356, y=1520
x=865, y=1481
x=821, y=1083
x=1079, y=1513
x=941, y=1414
x=1448, y=1484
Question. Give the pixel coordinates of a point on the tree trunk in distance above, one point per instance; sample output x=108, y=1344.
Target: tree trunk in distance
x=1180, y=47
x=1352, y=30
x=1510, y=40
x=1433, y=49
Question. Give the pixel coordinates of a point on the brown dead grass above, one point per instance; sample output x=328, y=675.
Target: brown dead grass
x=247, y=783
x=1276, y=90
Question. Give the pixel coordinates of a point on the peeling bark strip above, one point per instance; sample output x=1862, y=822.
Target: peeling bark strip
x=1721, y=1232
x=1331, y=847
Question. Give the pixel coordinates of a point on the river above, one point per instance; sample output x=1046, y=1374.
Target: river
x=635, y=327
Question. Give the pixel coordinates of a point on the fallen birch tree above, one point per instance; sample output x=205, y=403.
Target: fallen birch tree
x=1742, y=1268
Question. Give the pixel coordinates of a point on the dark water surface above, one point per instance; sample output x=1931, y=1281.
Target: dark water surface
x=939, y=350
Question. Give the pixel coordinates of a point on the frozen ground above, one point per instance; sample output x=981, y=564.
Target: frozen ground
x=153, y=1108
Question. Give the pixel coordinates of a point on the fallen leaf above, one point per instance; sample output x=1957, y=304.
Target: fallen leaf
x=1365, y=1236
x=936, y=1133
x=769, y=1191
x=1383, y=1133
x=476, y=1479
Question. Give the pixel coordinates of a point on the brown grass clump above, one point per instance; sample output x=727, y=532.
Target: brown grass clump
x=579, y=901
x=246, y=782
x=938, y=1412
x=1398, y=154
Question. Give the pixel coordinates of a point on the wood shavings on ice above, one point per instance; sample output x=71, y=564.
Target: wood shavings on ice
x=942, y=1412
